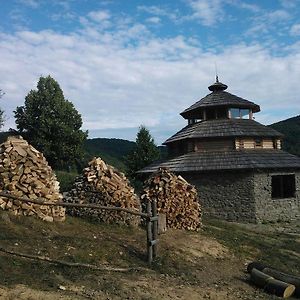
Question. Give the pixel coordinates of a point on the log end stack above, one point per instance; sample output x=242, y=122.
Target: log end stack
x=104, y=185
x=175, y=197
x=24, y=172
x=274, y=281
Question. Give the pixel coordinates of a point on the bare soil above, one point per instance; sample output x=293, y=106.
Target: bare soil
x=209, y=264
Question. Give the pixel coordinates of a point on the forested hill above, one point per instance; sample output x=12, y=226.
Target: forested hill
x=291, y=130
x=112, y=150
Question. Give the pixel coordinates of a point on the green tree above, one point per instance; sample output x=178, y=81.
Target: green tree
x=1, y=112
x=144, y=153
x=51, y=124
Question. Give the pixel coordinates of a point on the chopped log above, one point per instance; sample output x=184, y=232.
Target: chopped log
x=24, y=172
x=293, y=280
x=259, y=278
x=255, y=264
x=175, y=197
x=103, y=185
x=279, y=288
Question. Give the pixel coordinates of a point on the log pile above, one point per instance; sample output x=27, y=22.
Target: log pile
x=102, y=184
x=175, y=197
x=24, y=172
x=282, y=285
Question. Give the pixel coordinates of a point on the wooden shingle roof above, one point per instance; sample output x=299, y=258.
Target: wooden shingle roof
x=224, y=128
x=229, y=160
x=220, y=98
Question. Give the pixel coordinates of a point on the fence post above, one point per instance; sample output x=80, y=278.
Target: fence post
x=155, y=227
x=149, y=233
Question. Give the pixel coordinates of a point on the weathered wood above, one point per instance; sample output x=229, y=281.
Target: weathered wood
x=255, y=264
x=65, y=204
x=279, y=288
x=104, y=185
x=155, y=227
x=162, y=223
x=149, y=235
x=69, y=264
x=24, y=172
x=294, y=280
x=175, y=198
x=259, y=278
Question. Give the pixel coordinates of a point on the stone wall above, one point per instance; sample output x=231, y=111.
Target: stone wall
x=268, y=209
x=226, y=195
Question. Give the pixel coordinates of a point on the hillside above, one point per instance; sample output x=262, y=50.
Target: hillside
x=112, y=151
x=208, y=264
x=291, y=130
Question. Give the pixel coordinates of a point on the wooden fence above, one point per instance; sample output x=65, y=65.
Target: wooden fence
x=150, y=217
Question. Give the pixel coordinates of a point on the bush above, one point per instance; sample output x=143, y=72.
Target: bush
x=66, y=180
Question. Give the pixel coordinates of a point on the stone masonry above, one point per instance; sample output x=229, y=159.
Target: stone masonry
x=244, y=196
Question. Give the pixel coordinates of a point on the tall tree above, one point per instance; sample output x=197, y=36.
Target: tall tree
x=51, y=124
x=1, y=112
x=144, y=153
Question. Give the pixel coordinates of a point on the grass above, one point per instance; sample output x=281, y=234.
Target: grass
x=78, y=240
x=271, y=247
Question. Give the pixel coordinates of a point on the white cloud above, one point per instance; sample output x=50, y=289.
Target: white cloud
x=153, y=20
x=30, y=3
x=295, y=30
x=268, y=21
x=208, y=12
x=99, y=15
x=160, y=11
x=127, y=77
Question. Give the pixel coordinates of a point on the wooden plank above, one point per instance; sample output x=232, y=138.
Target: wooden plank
x=155, y=227
x=149, y=235
x=65, y=204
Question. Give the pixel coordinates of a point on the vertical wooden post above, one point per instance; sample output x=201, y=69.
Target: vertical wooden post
x=149, y=234
x=155, y=227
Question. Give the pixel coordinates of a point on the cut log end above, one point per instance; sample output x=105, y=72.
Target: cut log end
x=279, y=288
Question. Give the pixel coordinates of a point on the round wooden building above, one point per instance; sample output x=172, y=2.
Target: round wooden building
x=236, y=163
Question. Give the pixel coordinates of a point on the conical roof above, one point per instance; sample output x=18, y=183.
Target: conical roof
x=218, y=98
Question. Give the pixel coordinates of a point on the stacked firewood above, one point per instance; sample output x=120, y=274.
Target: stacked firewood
x=25, y=173
x=175, y=197
x=104, y=185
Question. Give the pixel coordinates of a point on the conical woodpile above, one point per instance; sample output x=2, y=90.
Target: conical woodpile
x=102, y=184
x=175, y=197
x=24, y=172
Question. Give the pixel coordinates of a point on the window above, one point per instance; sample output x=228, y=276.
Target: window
x=283, y=186
x=244, y=113
x=239, y=113
x=235, y=113
x=258, y=143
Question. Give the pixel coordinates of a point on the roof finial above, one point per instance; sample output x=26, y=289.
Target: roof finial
x=216, y=70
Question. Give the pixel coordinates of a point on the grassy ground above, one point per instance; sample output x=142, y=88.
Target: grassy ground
x=209, y=264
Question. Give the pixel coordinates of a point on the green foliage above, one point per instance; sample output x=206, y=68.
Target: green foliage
x=1, y=112
x=144, y=153
x=112, y=151
x=291, y=130
x=51, y=124
x=66, y=180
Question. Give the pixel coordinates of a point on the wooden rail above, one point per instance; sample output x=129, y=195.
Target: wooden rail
x=151, y=217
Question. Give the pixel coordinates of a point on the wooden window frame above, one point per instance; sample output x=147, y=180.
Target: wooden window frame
x=283, y=186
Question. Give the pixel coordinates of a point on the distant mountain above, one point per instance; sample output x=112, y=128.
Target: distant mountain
x=112, y=151
x=291, y=130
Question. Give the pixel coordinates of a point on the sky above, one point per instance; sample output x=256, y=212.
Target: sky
x=126, y=63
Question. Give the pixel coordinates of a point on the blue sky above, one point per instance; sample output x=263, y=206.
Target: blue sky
x=126, y=63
